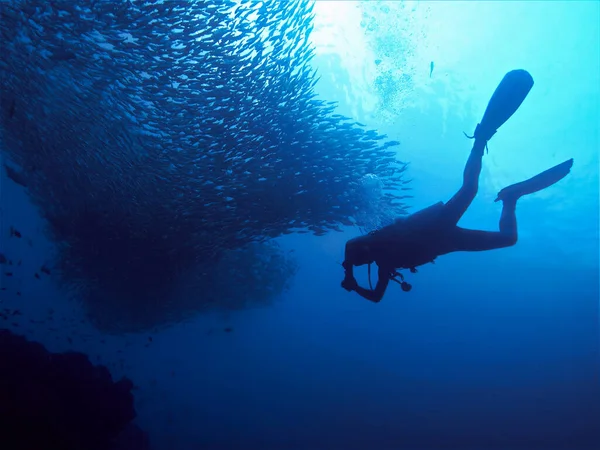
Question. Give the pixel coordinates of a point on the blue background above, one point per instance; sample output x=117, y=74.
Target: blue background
x=490, y=350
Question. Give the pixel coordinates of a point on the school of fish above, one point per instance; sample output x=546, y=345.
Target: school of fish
x=155, y=136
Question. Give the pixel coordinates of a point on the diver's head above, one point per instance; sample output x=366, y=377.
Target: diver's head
x=358, y=251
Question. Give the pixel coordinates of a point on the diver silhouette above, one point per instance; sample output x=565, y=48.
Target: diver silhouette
x=431, y=232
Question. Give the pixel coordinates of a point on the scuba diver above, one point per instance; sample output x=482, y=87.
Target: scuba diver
x=421, y=237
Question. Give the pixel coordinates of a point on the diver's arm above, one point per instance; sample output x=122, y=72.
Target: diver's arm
x=375, y=295
x=348, y=269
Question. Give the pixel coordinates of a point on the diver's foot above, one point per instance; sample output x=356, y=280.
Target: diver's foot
x=537, y=183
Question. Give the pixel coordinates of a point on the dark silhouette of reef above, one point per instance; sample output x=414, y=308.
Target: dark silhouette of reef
x=62, y=401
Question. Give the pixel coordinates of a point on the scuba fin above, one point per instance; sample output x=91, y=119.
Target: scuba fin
x=537, y=183
x=505, y=101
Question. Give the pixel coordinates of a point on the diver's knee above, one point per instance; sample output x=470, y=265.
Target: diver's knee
x=510, y=239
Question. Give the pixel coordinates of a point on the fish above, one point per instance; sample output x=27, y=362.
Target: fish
x=179, y=150
x=18, y=177
x=12, y=109
x=430, y=68
x=62, y=55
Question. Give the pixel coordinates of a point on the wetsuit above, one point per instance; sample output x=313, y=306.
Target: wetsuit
x=427, y=234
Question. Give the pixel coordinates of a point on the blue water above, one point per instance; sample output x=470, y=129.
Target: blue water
x=494, y=350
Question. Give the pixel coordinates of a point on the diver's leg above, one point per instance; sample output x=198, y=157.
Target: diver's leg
x=475, y=240
x=463, y=240
x=457, y=205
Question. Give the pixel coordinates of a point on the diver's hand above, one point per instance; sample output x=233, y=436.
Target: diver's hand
x=349, y=284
